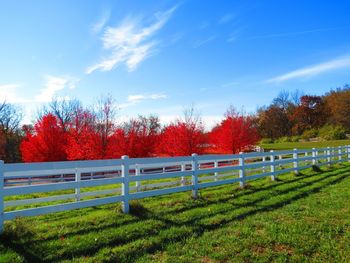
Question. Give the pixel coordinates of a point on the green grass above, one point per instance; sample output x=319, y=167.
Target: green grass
x=294, y=219
x=304, y=145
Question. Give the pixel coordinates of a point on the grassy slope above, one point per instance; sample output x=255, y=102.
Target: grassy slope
x=297, y=218
x=304, y=145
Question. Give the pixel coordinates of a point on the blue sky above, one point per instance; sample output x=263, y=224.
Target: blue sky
x=159, y=57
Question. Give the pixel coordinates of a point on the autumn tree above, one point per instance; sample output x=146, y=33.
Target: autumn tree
x=105, y=112
x=273, y=122
x=93, y=133
x=311, y=113
x=338, y=104
x=65, y=110
x=46, y=143
x=82, y=138
x=235, y=133
x=183, y=136
x=138, y=137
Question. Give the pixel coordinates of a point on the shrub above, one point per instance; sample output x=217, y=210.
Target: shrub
x=285, y=139
x=308, y=134
x=295, y=138
x=332, y=132
x=266, y=141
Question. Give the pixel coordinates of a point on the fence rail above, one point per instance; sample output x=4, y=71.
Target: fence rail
x=62, y=186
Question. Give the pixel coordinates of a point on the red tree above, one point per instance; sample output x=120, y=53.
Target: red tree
x=181, y=139
x=234, y=134
x=141, y=136
x=311, y=113
x=47, y=142
x=87, y=142
x=82, y=137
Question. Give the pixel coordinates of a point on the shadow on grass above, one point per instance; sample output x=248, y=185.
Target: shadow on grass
x=278, y=194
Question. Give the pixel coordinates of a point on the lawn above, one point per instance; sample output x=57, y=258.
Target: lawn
x=297, y=218
x=303, y=145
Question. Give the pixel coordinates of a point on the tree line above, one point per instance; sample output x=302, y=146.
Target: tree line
x=306, y=116
x=67, y=130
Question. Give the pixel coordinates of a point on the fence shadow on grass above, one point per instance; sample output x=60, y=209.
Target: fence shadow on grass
x=238, y=205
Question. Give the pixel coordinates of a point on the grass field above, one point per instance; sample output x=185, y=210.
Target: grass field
x=296, y=218
x=304, y=145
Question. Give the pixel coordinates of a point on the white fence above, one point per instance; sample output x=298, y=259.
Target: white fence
x=78, y=184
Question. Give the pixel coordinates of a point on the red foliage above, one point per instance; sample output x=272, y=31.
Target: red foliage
x=47, y=142
x=86, y=142
x=234, y=134
x=86, y=138
x=311, y=113
x=82, y=138
x=140, y=137
x=137, y=138
x=181, y=139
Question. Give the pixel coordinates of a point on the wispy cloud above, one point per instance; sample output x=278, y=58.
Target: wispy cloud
x=9, y=93
x=199, y=43
x=53, y=85
x=287, y=34
x=226, y=18
x=99, y=25
x=130, y=43
x=313, y=70
x=137, y=98
x=204, y=25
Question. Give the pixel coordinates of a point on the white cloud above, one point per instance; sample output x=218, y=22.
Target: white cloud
x=234, y=35
x=140, y=97
x=226, y=18
x=99, y=25
x=289, y=34
x=137, y=98
x=9, y=93
x=53, y=85
x=209, y=121
x=199, y=43
x=130, y=43
x=314, y=70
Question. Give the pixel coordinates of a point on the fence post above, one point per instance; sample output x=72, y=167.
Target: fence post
x=183, y=168
x=272, y=166
x=216, y=165
x=348, y=151
x=264, y=167
x=331, y=155
x=138, y=183
x=305, y=155
x=77, y=189
x=125, y=184
x=339, y=153
x=295, y=162
x=313, y=156
x=2, y=196
x=280, y=158
x=241, y=170
x=328, y=156
x=194, y=176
